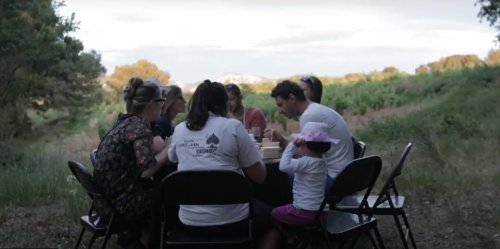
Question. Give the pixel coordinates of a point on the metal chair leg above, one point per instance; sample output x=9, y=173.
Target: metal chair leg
x=372, y=240
x=106, y=238
x=79, y=238
x=108, y=231
x=379, y=238
x=92, y=240
x=400, y=230
x=162, y=235
x=407, y=224
x=341, y=245
x=353, y=241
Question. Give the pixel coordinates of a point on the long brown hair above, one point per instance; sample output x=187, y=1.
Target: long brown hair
x=208, y=97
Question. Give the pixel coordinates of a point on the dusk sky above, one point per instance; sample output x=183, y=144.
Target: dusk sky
x=199, y=39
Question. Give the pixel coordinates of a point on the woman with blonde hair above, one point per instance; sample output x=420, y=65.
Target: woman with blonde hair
x=125, y=159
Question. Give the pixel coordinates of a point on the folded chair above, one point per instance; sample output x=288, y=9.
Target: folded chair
x=387, y=202
x=212, y=187
x=338, y=226
x=97, y=225
x=359, y=148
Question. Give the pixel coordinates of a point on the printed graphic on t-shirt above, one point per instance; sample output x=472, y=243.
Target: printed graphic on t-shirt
x=213, y=140
x=199, y=148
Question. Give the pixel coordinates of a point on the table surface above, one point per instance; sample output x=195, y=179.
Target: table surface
x=270, y=161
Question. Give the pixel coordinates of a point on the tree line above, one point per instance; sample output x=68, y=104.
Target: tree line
x=42, y=67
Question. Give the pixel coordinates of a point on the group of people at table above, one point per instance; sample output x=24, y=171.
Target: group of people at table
x=143, y=145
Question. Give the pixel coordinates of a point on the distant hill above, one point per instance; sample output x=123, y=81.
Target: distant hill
x=236, y=78
x=239, y=78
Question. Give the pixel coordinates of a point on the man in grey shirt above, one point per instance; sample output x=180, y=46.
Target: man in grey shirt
x=291, y=102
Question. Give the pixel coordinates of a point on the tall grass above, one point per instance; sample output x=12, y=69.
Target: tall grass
x=455, y=156
x=38, y=175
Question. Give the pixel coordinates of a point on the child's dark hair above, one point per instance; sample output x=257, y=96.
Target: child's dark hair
x=318, y=147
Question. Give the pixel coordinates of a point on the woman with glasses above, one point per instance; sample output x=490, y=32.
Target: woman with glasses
x=125, y=159
x=313, y=89
x=174, y=104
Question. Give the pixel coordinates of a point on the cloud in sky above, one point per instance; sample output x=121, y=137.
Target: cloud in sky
x=195, y=39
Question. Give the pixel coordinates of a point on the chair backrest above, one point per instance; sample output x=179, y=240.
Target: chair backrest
x=84, y=178
x=93, y=155
x=359, y=149
x=359, y=175
x=217, y=187
x=389, y=183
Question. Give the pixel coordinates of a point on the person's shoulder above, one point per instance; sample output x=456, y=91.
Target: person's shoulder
x=137, y=121
x=230, y=122
x=136, y=126
x=321, y=108
x=180, y=126
x=230, y=125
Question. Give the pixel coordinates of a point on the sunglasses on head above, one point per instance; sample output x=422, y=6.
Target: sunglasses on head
x=160, y=100
x=306, y=79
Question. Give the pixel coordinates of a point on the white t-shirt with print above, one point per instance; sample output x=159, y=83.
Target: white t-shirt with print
x=340, y=154
x=222, y=144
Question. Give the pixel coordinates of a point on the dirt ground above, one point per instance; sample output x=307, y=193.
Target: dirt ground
x=48, y=226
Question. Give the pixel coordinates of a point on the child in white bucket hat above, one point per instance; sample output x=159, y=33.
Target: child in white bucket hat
x=309, y=169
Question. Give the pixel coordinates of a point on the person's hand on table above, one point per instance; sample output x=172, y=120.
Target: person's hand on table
x=274, y=135
x=271, y=134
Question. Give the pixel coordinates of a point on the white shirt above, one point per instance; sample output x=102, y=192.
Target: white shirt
x=222, y=144
x=339, y=154
x=309, y=178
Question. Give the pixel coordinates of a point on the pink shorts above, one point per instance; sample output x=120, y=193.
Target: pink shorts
x=288, y=214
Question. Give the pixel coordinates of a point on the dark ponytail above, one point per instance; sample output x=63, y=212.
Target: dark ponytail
x=208, y=97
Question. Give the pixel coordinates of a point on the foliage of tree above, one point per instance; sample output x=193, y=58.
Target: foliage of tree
x=450, y=62
x=422, y=69
x=142, y=68
x=41, y=66
x=365, y=96
x=493, y=57
x=245, y=88
x=490, y=10
x=263, y=87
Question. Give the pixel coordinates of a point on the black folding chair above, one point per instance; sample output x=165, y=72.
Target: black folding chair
x=359, y=148
x=387, y=202
x=214, y=187
x=339, y=226
x=92, y=222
